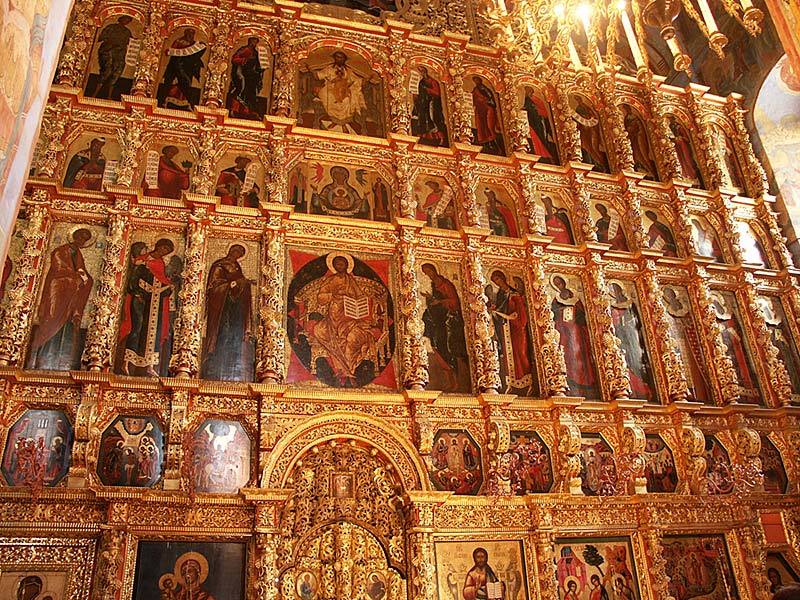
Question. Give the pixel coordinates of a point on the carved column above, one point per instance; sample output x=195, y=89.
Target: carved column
x=730, y=232
x=569, y=139
x=683, y=228
x=109, y=573
x=633, y=214
x=584, y=227
x=205, y=149
x=663, y=148
x=266, y=565
x=399, y=99
x=285, y=66
x=779, y=386
x=753, y=542
x=131, y=140
x=755, y=176
x=569, y=449
x=144, y=80
x=633, y=444
x=54, y=127
x=651, y=540
x=617, y=136
x=414, y=356
x=748, y=450
x=77, y=45
x=486, y=359
x=674, y=371
x=544, y=538
x=706, y=143
x=553, y=367
x=694, y=452
x=612, y=361
x=530, y=194
x=21, y=291
x=218, y=55
x=100, y=341
x=271, y=344
x=173, y=455
x=84, y=422
x=516, y=120
x=188, y=337
x=721, y=367
x=460, y=111
x=404, y=182
x=767, y=218
x=469, y=188
x=422, y=561
x=273, y=157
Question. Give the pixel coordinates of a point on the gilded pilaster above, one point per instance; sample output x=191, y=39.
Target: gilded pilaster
x=694, y=446
x=553, y=366
x=84, y=424
x=173, y=455
x=218, y=55
x=657, y=566
x=206, y=150
x=99, y=348
x=569, y=451
x=569, y=138
x=404, y=182
x=611, y=361
x=725, y=210
x=753, y=543
x=468, y=178
x=399, y=109
x=108, y=575
x=516, y=121
x=188, y=342
x=266, y=572
x=144, y=80
x=633, y=446
x=56, y=118
x=285, y=65
x=621, y=152
x=663, y=149
x=766, y=217
x=423, y=566
x=274, y=160
x=721, y=366
x=488, y=375
x=707, y=147
x=21, y=291
x=674, y=371
x=772, y=370
x=271, y=345
x=131, y=140
x=683, y=228
x=633, y=216
x=755, y=176
x=544, y=538
x=77, y=45
x=530, y=193
x=462, y=120
x=414, y=356
x=584, y=227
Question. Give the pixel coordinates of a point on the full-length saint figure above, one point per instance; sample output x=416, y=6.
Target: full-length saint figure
x=488, y=131
x=146, y=321
x=510, y=317
x=782, y=339
x=111, y=53
x=173, y=178
x=85, y=169
x=231, y=185
x=185, y=65
x=659, y=236
x=684, y=334
x=609, y=228
x=438, y=209
x=482, y=582
x=444, y=327
x=705, y=241
x=643, y=160
x=541, y=135
x=684, y=148
x=247, y=79
x=593, y=147
x=427, y=118
x=227, y=346
x=735, y=342
x=501, y=218
x=629, y=331
x=569, y=316
x=57, y=340
x=556, y=222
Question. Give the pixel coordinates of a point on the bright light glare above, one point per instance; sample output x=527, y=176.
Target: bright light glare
x=621, y=5
x=560, y=10
x=584, y=11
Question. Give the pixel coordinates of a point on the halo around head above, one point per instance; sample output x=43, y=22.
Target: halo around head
x=237, y=244
x=196, y=557
x=333, y=255
x=572, y=578
x=90, y=241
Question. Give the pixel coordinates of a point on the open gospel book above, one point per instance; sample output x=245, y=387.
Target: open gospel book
x=356, y=308
x=494, y=591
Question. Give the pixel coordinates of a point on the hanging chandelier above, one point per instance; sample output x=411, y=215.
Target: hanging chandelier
x=586, y=33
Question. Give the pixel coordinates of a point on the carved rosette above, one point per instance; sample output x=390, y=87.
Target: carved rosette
x=674, y=369
x=663, y=148
x=266, y=572
x=398, y=94
x=99, y=348
x=694, y=446
x=777, y=375
x=271, y=346
x=77, y=45
x=469, y=188
x=144, y=80
x=569, y=450
x=131, y=140
x=488, y=376
x=285, y=64
x=54, y=126
x=721, y=364
x=462, y=119
x=554, y=367
x=218, y=56
x=206, y=150
x=754, y=172
x=16, y=315
x=615, y=123
x=612, y=363
x=414, y=355
x=188, y=342
x=707, y=144
x=633, y=445
x=583, y=217
x=110, y=562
